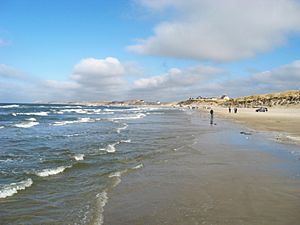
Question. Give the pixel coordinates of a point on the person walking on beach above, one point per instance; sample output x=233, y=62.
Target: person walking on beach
x=229, y=109
x=235, y=110
x=211, y=116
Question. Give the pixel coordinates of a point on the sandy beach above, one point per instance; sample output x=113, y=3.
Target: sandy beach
x=283, y=121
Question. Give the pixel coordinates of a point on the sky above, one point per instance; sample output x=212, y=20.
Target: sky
x=166, y=50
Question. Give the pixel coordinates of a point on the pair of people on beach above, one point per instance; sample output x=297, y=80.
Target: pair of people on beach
x=229, y=110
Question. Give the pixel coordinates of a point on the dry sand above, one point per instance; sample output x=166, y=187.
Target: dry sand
x=284, y=121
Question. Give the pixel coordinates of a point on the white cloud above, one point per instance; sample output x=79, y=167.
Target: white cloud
x=220, y=30
x=175, y=84
x=285, y=77
x=10, y=72
x=95, y=79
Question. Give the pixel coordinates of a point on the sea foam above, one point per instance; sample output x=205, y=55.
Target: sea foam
x=9, y=106
x=122, y=128
x=50, y=172
x=79, y=157
x=111, y=147
x=26, y=124
x=13, y=188
x=81, y=120
x=131, y=117
x=34, y=114
x=101, y=199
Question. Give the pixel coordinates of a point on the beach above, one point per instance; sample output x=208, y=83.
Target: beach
x=93, y=164
x=283, y=121
x=227, y=175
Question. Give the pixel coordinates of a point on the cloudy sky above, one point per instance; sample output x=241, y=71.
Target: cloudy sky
x=66, y=50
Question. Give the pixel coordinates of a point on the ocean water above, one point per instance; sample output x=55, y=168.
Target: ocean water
x=58, y=163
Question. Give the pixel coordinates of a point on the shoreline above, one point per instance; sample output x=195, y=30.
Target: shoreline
x=221, y=178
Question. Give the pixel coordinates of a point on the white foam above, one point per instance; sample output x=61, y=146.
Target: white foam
x=134, y=117
x=139, y=166
x=117, y=174
x=26, y=124
x=9, y=106
x=34, y=114
x=81, y=120
x=122, y=128
x=71, y=135
x=1, y=127
x=293, y=138
x=125, y=141
x=31, y=119
x=13, y=188
x=14, y=114
x=79, y=157
x=111, y=147
x=50, y=172
x=117, y=177
x=101, y=202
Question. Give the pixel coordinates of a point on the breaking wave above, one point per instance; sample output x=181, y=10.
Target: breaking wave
x=13, y=188
x=122, y=128
x=79, y=157
x=9, y=106
x=81, y=120
x=50, y=172
x=34, y=114
x=134, y=117
x=26, y=124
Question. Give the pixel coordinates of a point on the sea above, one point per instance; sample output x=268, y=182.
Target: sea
x=60, y=162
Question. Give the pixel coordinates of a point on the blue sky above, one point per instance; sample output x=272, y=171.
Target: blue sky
x=62, y=50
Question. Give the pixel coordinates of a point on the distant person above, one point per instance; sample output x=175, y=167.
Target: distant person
x=229, y=109
x=235, y=110
x=211, y=116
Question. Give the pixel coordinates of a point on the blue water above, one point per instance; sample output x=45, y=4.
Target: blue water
x=57, y=162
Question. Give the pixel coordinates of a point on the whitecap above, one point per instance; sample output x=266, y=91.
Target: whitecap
x=34, y=114
x=1, y=127
x=31, y=119
x=125, y=141
x=110, y=148
x=9, y=106
x=14, y=114
x=79, y=157
x=135, y=116
x=26, y=124
x=139, y=166
x=122, y=128
x=13, y=188
x=81, y=120
x=50, y=172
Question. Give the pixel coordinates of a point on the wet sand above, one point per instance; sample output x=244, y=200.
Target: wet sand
x=222, y=178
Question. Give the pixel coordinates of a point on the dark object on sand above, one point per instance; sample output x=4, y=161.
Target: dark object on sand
x=262, y=109
x=245, y=133
x=229, y=110
x=235, y=110
x=211, y=112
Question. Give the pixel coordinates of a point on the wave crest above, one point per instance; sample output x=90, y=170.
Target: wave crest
x=13, y=188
